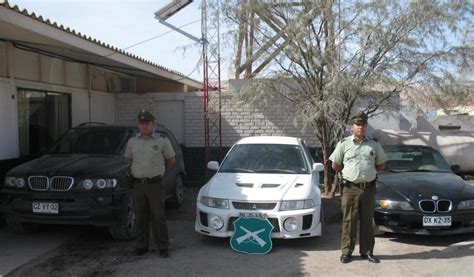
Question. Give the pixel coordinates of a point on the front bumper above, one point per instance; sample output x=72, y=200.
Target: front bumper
x=309, y=223
x=407, y=222
x=84, y=208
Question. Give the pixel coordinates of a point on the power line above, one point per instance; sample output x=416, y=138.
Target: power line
x=152, y=38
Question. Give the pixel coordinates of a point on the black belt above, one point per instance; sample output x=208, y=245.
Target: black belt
x=148, y=180
x=361, y=185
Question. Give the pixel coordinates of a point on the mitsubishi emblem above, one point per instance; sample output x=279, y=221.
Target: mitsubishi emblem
x=254, y=206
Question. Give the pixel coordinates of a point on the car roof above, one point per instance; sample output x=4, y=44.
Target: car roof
x=407, y=147
x=98, y=125
x=269, y=140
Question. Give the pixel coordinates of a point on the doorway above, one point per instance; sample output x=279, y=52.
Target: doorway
x=42, y=118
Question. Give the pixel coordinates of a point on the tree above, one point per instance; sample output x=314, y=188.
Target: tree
x=340, y=53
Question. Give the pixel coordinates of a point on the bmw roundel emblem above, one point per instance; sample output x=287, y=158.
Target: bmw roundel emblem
x=435, y=197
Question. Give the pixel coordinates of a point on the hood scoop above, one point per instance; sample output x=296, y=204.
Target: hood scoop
x=244, y=185
x=264, y=186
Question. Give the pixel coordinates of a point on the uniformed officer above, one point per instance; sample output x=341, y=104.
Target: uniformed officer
x=149, y=155
x=359, y=158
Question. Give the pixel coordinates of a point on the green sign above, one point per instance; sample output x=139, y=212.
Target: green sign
x=252, y=235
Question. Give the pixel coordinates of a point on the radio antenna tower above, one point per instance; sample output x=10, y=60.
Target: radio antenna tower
x=210, y=40
x=212, y=82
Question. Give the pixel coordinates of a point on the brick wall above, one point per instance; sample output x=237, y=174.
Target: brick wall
x=240, y=120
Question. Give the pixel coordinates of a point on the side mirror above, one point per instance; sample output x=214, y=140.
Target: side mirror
x=213, y=165
x=456, y=168
x=318, y=167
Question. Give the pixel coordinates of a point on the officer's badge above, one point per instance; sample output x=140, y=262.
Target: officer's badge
x=252, y=235
x=155, y=147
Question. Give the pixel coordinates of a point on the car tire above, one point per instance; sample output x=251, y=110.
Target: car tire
x=125, y=228
x=21, y=227
x=177, y=199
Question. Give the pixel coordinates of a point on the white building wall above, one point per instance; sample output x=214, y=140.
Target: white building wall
x=272, y=119
x=241, y=120
x=168, y=108
x=8, y=121
x=79, y=108
x=183, y=114
x=103, y=107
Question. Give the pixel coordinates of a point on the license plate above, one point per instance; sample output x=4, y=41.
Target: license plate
x=436, y=220
x=250, y=214
x=45, y=208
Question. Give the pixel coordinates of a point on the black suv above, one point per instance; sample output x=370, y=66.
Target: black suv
x=83, y=179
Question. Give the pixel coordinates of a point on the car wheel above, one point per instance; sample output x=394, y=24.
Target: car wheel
x=21, y=227
x=177, y=199
x=125, y=228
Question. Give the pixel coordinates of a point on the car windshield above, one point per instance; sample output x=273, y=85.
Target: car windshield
x=90, y=141
x=415, y=159
x=265, y=158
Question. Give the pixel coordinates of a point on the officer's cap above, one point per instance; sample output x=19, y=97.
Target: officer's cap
x=359, y=118
x=145, y=116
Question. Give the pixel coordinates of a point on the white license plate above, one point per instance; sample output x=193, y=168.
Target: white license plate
x=250, y=214
x=437, y=220
x=45, y=208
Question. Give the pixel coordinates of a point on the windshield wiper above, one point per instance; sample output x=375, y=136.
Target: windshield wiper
x=275, y=170
x=237, y=170
x=394, y=170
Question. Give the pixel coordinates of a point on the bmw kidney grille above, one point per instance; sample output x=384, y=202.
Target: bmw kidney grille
x=56, y=183
x=432, y=206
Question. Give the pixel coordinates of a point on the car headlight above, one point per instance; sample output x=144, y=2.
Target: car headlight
x=98, y=183
x=296, y=205
x=14, y=182
x=20, y=183
x=215, y=202
x=466, y=205
x=216, y=222
x=87, y=184
x=395, y=205
x=290, y=224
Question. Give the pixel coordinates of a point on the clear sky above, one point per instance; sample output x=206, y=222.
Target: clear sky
x=124, y=23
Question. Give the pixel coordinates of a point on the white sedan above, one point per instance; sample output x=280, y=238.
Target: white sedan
x=266, y=177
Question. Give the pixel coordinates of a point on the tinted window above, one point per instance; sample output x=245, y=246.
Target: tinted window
x=415, y=159
x=91, y=141
x=265, y=158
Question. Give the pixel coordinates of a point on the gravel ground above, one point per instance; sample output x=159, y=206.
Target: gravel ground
x=94, y=253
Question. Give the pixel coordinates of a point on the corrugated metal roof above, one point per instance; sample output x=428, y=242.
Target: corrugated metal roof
x=68, y=30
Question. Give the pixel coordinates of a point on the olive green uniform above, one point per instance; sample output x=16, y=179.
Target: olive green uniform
x=358, y=195
x=148, y=166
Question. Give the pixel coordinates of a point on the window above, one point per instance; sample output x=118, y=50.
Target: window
x=91, y=141
x=265, y=158
x=42, y=118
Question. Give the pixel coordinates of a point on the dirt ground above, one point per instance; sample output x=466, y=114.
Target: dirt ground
x=95, y=253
